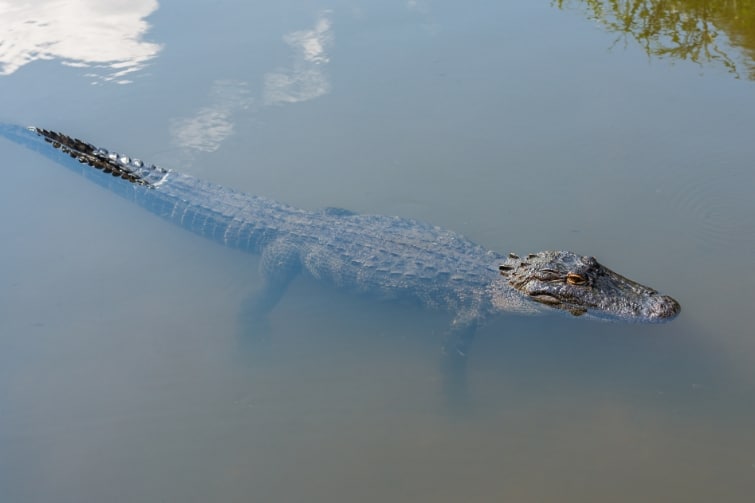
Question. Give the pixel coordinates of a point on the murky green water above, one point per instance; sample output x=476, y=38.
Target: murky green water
x=617, y=129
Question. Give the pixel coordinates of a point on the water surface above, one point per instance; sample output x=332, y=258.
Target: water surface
x=125, y=373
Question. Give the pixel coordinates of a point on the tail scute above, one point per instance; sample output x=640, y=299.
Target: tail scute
x=131, y=170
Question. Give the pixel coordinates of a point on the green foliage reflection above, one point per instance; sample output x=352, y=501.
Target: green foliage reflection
x=682, y=29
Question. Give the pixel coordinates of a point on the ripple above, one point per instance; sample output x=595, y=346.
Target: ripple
x=721, y=207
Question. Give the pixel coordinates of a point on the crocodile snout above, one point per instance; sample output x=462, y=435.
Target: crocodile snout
x=661, y=308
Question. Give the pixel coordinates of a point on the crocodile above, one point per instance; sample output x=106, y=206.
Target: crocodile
x=384, y=256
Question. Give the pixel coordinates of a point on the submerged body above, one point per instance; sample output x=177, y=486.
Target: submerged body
x=388, y=257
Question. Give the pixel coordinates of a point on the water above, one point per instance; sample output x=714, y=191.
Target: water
x=124, y=372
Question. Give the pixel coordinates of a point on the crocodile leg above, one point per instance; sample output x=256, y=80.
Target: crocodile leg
x=454, y=362
x=279, y=264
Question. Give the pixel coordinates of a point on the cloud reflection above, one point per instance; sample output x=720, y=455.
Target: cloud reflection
x=210, y=125
x=420, y=6
x=81, y=33
x=305, y=79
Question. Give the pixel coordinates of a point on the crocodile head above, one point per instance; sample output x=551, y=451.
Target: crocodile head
x=582, y=286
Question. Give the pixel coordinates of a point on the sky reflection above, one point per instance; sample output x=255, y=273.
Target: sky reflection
x=303, y=79
x=206, y=129
x=103, y=37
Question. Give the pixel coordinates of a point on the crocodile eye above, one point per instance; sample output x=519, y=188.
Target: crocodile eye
x=575, y=279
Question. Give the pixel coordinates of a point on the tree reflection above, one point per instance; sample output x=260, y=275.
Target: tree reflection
x=703, y=31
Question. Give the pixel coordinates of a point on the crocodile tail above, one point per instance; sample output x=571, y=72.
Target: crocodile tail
x=224, y=215
x=126, y=177
x=97, y=163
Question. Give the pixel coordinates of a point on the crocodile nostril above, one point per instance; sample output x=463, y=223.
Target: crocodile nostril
x=662, y=307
